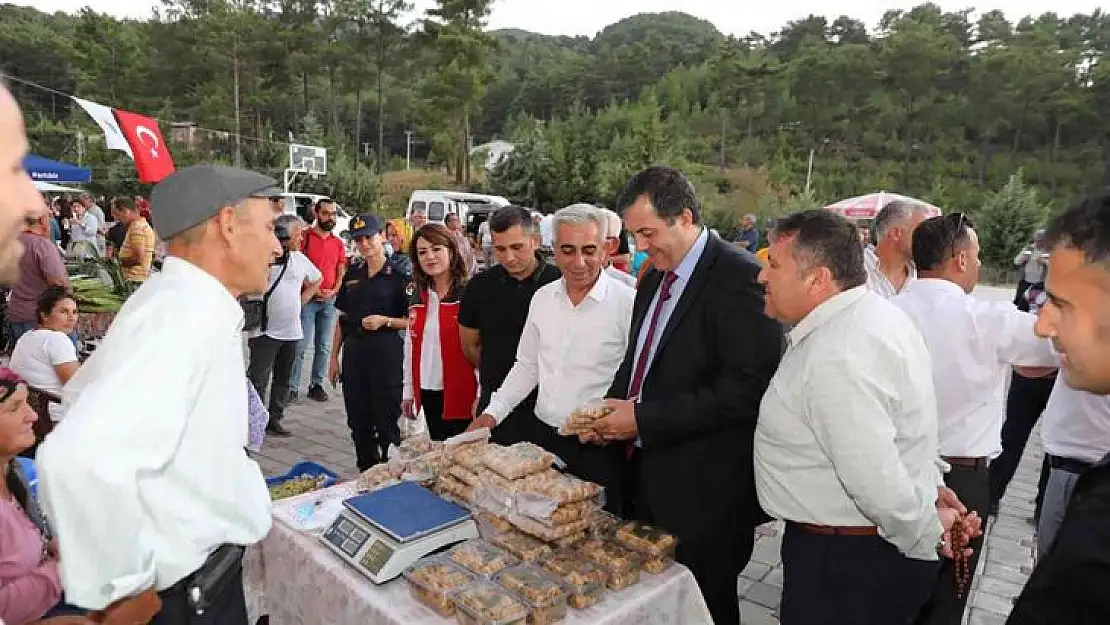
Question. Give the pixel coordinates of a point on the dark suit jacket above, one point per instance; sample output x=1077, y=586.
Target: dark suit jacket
x=1069, y=584
x=700, y=399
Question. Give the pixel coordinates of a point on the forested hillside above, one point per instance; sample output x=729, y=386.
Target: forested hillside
x=933, y=104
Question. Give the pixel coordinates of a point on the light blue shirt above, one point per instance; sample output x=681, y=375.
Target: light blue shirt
x=682, y=274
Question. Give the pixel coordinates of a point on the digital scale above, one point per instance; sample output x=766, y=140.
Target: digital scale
x=384, y=532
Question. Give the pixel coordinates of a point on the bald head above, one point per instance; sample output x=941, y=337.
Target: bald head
x=18, y=197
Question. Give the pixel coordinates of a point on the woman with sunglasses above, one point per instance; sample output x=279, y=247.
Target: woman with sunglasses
x=438, y=377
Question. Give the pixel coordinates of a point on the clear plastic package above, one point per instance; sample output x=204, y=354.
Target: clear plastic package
x=543, y=508
x=433, y=581
x=546, y=531
x=464, y=475
x=649, y=540
x=495, y=522
x=581, y=419
x=448, y=485
x=378, y=476
x=523, y=546
x=603, y=524
x=622, y=565
x=542, y=591
x=486, y=603
x=569, y=541
x=584, y=580
x=518, y=460
x=469, y=455
x=559, y=487
x=416, y=446
x=479, y=556
x=656, y=566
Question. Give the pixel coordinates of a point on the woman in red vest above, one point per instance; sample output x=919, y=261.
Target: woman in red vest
x=438, y=377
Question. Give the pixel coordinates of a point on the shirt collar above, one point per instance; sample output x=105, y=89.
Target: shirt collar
x=597, y=292
x=825, y=311
x=685, y=268
x=541, y=264
x=935, y=285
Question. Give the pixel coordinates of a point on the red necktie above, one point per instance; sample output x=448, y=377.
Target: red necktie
x=645, y=352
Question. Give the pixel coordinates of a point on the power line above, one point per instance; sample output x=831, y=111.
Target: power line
x=36, y=85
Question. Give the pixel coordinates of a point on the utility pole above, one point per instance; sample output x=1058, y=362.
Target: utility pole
x=408, y=150
x=238, y=139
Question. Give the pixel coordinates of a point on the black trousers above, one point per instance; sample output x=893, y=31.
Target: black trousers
x=849, y=580
x=272, y=359
x=230, y=608
x=372, y=392
x=716, y=558
x=972, y=486
x=438, y=428
x=1024, y=405
x=601, y=464
x=1019, y=295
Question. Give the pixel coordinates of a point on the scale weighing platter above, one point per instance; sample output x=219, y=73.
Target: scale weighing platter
x=384, y=532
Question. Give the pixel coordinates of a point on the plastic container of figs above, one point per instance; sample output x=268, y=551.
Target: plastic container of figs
x=584, y=580
x=622, y=564
x=655, y=545
x=481, y=558
x=486, y=603
x=527, y=548
x=543, y=592
x=433, y=581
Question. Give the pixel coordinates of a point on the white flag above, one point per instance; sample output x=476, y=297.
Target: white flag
x=103, y=116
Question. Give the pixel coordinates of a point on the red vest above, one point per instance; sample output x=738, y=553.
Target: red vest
x=460, y=384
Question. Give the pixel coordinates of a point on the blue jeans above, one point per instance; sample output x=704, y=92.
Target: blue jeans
x=318, y=322
x=19, y=328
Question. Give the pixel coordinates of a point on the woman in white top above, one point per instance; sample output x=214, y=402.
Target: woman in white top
x=437, y=375
x=46, y=357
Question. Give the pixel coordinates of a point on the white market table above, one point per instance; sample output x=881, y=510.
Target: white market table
x=296, y=580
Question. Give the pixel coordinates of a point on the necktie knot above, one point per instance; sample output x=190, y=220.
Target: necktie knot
x=668, y=281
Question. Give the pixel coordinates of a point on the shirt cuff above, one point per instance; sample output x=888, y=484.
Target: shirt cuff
x=496, y=409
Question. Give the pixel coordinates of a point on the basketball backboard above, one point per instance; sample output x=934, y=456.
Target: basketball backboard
x=308, y=159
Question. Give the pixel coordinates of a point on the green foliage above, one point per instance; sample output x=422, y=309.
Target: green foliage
x=1007, y=219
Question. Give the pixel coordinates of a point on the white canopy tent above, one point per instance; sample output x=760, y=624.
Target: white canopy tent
x=50, y=187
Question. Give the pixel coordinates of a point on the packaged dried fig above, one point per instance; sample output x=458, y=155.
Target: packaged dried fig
x=433, y=580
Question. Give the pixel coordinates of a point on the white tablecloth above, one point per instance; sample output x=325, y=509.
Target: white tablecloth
x=297, y=581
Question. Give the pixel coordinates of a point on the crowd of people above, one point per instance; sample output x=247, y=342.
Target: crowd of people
x=854, y=391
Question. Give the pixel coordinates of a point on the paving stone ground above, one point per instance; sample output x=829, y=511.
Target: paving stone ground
x=320, y=434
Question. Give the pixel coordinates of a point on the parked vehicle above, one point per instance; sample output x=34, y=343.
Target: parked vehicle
x=438, y=204
x=301, y=204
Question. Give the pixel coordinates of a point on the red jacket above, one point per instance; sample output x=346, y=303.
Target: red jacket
x=460, y=384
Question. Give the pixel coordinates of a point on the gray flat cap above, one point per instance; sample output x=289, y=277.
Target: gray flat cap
x=195, y=194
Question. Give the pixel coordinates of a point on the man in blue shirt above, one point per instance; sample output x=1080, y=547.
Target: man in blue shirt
x=748, y=237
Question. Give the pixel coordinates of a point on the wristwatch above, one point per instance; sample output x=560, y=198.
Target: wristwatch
x=389, y=323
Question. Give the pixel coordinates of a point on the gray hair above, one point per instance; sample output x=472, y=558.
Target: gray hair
x=579, y=214
x=289, y=220
x=893, y=214
x=613, y=222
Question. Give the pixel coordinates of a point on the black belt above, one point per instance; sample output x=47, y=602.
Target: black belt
x=202, y=588
x=979, y=463
x=1068, y=464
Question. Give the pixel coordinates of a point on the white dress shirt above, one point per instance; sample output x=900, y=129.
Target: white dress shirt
x=147, y=475
x=626, y=279
x=571, y=352
x=1076, y=424
x=878, y=281
x=847, y=430
x=974, y=343
x=283, y=311
x=431, y=352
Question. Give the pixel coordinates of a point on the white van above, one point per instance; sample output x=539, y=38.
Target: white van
x=438, y=204
x=301, y=204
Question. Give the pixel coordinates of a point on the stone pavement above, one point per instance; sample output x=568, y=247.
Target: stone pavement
x=320, y=434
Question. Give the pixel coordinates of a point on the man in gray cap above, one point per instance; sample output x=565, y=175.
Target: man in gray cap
x=163, y=497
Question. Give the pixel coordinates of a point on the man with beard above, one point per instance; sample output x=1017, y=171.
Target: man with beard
x=318, y=316
x=1070, y=581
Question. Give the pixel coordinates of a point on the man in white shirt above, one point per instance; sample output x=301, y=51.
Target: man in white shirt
x=846, y=442
x=573, y=342
x=294, y=280
x=890, y=263
x=1076, y=435
x=146, y=480
x=973, y=343
x=612, y=243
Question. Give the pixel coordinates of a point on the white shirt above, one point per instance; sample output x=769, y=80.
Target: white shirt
x=624, y=278
x=83, y=228
x=547, y=231
x=147, y=474
x=283, y=311
x=484, y=234
x=1076, y=424
x=878, y=281
x=36, y=354
x=571, y=352
x=431, y=352
x=974, y=343
x=847, y=430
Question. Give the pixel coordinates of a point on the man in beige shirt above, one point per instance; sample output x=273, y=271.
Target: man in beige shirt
x=137, y=254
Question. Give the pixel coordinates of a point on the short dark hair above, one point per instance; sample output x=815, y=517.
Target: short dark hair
x=666, y=188
x=508, y=216
x=320, y=202
x=49, y=299
x=936, y=240
x=824, y=239
x=1084, y=227
x=123, y=203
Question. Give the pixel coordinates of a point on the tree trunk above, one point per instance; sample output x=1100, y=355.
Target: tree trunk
x=381, y=98
x=358, y=119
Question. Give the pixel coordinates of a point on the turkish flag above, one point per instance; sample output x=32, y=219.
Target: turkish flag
x=152, y=155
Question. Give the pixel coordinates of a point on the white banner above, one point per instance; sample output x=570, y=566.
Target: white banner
x=103, y=116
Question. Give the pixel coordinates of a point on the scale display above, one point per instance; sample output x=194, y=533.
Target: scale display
x=382, y=533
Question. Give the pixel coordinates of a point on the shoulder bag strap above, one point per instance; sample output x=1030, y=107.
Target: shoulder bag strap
x=270, y=291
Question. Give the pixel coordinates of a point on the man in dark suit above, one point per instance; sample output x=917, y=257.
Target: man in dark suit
x=701, y=353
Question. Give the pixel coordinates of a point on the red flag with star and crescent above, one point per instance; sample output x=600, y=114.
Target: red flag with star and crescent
x=152, y=155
